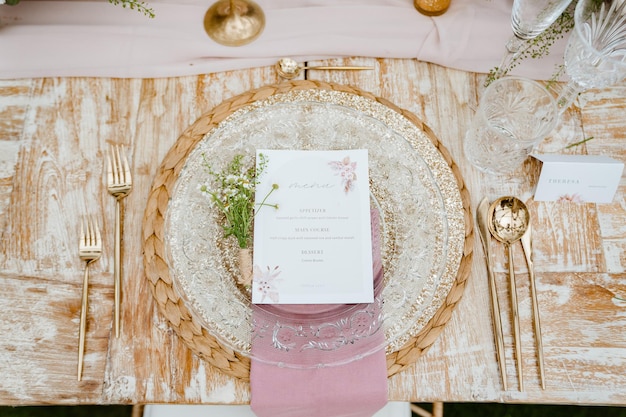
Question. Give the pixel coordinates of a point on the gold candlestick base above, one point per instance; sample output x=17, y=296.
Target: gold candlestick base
x=431, y=7
x=234, y=22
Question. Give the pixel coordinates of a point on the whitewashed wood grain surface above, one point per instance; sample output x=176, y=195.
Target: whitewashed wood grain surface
x=54, y=133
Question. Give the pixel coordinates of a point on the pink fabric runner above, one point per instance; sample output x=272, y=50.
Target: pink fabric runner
x=346, y=388
x=94, y=38
x=356, y=389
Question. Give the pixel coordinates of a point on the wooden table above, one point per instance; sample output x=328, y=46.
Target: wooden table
x=54, y=133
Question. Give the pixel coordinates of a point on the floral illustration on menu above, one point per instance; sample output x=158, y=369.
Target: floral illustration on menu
x=264, y=280
x=347, y=171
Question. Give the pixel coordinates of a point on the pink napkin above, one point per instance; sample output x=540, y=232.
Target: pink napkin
x=339, y=369
x=41, y=38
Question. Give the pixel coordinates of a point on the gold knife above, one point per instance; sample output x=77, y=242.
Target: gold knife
x=482, y=213
x=527, y=246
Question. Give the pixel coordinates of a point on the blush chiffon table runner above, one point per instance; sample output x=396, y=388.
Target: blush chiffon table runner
x=40, y=38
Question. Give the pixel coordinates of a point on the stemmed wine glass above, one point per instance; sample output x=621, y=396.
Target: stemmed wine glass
x=528, y=19
x=595, y=55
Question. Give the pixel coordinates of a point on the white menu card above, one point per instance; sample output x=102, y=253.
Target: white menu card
x=315, y=247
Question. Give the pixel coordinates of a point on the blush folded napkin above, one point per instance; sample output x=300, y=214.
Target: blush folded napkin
x=351, y=379
x=40, y=38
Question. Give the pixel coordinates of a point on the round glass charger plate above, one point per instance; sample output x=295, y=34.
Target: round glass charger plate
x=412, y=186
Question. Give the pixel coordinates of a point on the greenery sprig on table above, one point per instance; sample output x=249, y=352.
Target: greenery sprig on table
x=232, y=192
x=539, y=47
x=140, y=6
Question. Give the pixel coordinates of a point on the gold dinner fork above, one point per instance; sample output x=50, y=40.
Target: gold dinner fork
x=89, y=250
x=120, y=184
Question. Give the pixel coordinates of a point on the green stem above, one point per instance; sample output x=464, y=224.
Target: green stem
x=579, y=143
x=262, y=203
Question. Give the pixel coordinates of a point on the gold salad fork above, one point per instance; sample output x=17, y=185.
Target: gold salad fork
x=120, y=184
x=89, y=250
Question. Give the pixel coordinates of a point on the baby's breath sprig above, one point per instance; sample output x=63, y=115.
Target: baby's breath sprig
x=232, y=192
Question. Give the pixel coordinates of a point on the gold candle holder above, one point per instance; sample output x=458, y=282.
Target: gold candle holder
x=431, y=7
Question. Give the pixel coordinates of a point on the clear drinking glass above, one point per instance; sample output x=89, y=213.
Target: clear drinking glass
x=595, y=55
x=514, y=114
x=528, y=19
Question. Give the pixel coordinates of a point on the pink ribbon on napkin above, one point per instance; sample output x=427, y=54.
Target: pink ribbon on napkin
x=345, y=379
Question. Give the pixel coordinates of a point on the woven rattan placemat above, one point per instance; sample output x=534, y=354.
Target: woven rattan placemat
x=197, y=338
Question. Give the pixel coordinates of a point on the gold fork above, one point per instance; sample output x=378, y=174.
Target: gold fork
x=120, y=184
x=89, y=250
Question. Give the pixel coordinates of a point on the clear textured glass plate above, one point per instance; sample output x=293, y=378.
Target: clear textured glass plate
x=421, y=216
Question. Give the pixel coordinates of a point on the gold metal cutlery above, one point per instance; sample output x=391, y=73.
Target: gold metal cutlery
x=507, y=219
x=119, y=182
x=288, y=68
x=89, y=250
x=482, y=220
x=527, y=247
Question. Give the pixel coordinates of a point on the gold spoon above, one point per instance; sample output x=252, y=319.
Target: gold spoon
x=508, y=221
x=288, y=68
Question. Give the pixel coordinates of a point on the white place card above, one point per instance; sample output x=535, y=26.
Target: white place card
x=578, y=178
x=316, y=247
